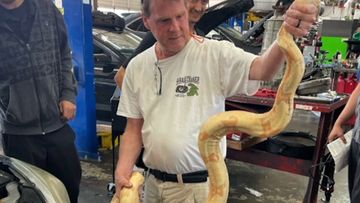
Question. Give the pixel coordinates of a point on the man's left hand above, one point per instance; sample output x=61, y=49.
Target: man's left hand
x=68, y=110
x=299, y=18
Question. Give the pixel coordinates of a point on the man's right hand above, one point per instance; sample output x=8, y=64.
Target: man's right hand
x=336, y=132
x=121, y=181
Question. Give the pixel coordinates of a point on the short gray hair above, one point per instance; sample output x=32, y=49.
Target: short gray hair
x=146, y=6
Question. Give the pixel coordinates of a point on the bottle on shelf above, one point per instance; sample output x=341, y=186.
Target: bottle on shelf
x=350, y=83
x=340, y=86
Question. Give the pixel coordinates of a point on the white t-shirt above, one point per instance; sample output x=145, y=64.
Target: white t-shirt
x=195, y=83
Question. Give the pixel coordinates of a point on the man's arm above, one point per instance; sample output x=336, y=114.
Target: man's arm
x=68, y=83
x=130, y=147
x=268, y=64
x=345, y=115
x=68, y=88
x=146, y=43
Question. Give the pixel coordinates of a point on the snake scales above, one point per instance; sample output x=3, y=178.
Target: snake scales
x=261, y=125
x=130, y=195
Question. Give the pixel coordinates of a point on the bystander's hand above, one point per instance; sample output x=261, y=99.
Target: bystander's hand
x=67, y=110
x=336, y=132
x=299, y=18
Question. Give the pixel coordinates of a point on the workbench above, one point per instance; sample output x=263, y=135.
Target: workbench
x=329, y=111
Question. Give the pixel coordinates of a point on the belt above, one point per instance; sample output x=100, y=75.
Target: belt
x=194, y=177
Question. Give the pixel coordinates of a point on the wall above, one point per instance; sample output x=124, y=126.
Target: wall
x=119, y=5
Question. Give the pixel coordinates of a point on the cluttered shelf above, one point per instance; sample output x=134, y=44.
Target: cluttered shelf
x=309, y=103
x=270, y=160
x=329, y=110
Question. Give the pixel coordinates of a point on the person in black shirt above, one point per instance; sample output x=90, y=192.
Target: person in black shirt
x=201, y=22
x=38, y=90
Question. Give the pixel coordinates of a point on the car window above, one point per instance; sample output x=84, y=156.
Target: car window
x=143, y=28
x=138, y=25
x=124, y=42
x=97, y=49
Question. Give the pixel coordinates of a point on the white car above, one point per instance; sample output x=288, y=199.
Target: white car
x=21, y=182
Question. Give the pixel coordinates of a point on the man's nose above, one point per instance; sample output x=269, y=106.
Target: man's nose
x=174, y=26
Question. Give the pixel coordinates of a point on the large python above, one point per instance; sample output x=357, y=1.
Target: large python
x=260, y=125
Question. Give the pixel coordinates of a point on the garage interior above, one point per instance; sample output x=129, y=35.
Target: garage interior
x=261, y=182
x=294, y=166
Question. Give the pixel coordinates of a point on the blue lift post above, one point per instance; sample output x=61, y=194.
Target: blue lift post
x=78, y=18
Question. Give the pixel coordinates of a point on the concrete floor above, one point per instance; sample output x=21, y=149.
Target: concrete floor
x=248, y=183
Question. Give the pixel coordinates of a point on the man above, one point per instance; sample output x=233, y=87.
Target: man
x=200, y=23
x=38, y=90
x=165, y=111
x=352, y=107
x=196, y=10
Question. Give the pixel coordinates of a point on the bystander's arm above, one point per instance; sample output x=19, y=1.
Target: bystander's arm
x=68, y=88
x=119, y=76
x=345, y=115
x=67, y=82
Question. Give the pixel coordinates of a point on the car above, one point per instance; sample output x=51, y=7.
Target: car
x=134, y=24
x=112, y=46
x=22, y=182
x=225, y=32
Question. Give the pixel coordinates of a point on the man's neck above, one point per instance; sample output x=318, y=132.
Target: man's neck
x=12, y=5
x=160, y=53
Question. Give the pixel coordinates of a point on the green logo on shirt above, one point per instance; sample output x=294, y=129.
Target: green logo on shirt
x=193, y=90
x=187, y=86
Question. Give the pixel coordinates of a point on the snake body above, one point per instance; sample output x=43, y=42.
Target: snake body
x=261, y=125
x=130, y=195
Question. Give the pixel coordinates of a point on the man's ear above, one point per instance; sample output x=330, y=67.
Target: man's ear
x=146, y=21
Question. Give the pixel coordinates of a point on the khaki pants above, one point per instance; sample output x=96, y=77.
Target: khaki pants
x=354, y=172
x=157, y=191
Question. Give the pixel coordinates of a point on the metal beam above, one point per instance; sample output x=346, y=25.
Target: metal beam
x=79, y=23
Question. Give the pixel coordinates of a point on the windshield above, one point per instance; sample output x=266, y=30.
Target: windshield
x=124, y=42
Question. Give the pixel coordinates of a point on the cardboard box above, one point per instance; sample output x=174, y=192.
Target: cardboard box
x=244, y=143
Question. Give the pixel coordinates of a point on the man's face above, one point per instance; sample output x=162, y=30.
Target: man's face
x=196, y=9
x=7, y=1
x=169, y=23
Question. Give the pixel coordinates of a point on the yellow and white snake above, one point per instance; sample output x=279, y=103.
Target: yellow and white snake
x=130, y=195
x=261, y=125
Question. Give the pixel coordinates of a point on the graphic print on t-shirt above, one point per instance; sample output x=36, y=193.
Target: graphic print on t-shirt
x=187, y=86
